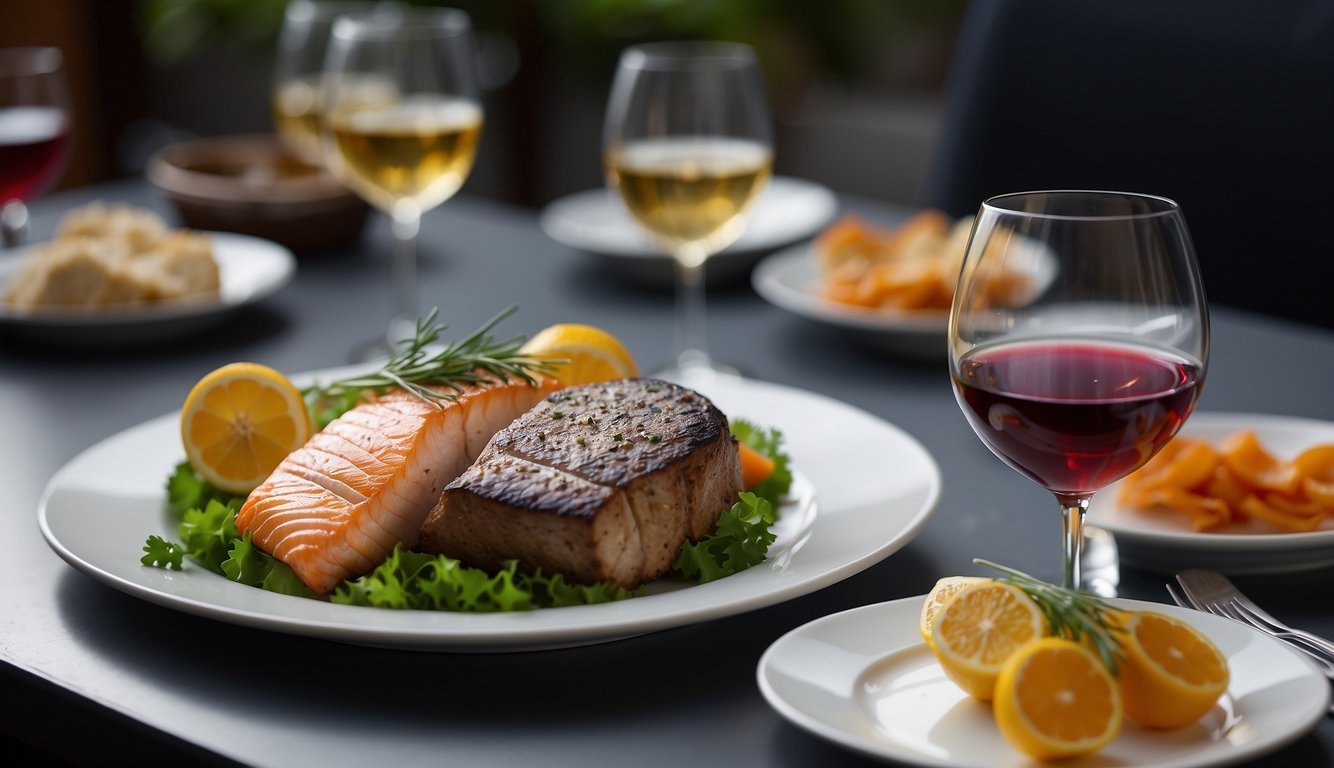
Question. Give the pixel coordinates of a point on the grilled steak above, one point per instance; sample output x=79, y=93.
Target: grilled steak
x=602, y=482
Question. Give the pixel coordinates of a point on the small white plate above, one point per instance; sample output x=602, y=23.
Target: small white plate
x=865, y=680
x=850, y=513
x=596, y=221
x=249, y=269
x=1163, y=541
x=789, y=279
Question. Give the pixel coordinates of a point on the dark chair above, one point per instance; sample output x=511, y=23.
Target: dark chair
x=1226, y=107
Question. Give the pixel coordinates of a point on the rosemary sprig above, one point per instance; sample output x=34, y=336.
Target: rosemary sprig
x=1070, y=613
x=456, y=366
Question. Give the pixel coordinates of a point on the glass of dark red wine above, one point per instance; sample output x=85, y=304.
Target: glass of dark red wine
x=1079, y=339
x=34, y=131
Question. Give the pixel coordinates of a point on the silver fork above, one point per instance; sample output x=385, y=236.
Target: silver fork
x=1212, y=592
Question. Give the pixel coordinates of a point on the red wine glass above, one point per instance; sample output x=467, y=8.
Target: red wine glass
x=1079, y=339
x=34, y=131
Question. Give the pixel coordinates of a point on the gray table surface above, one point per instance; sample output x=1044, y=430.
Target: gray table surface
x=89, y=672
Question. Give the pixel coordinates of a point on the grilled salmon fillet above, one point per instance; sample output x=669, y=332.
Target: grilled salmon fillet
x=336, y=507
x=602, y=482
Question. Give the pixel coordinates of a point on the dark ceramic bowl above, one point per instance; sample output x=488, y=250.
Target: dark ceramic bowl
x=251, y=184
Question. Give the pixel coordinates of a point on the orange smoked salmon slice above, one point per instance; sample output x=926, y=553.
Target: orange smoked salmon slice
x=336, y=507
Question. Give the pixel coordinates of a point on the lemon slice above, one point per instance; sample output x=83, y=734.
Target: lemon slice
x=941, y=593
x=593, y=355
x=239, y=422
x=978, y=629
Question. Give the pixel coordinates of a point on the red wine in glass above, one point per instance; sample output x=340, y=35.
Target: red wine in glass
x=1082, y=378
x=33, y=147
x=1075, y=416
x=34, y=125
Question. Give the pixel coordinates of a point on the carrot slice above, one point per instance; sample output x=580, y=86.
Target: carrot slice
x=755, y=466
x=1205, y=513
x=1316, y=467
x=1254, y=507
x=1244, y=455
x=1134, y=482
x=1227, y=488
x=1193, y=465
x=1295, y=507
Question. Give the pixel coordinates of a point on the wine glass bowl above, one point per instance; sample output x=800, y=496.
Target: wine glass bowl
x=414, y=152
x=298, y=76
x=401, y=123
x=1079, y=381
x=688, y=147
x=34, y=131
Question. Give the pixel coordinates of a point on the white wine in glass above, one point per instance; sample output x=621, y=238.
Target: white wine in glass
x=298, y=77
x=416, y=152
x=402, y=118
x=688, y=147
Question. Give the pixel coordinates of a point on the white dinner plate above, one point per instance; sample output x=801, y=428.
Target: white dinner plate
x=249, y=269
x=1164, y=541
x=596, y=221
x=864, y=679
x=856, y=507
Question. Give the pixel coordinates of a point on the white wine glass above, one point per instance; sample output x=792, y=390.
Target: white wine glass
x=1079, y=340
x=688, y=146
x=402, y=121
x=298, y=73
x=34, y=132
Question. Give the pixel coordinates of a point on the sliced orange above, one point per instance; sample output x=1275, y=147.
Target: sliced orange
x=239, y=422
x=977, y=630
x=591, y=353
x=1171, y=674
x=1055, y=699
x=941, y=593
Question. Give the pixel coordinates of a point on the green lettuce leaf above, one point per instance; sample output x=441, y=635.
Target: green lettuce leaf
x=325, y=408
x=435, y=582
x=160, y=553
x=740, y=540
x=186, y=490
x=208, y=533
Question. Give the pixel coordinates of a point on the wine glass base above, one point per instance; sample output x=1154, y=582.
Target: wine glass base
x=696, y=371
x=13, y=224
x=1101, y=563
x=371, y=350
x=400, y=333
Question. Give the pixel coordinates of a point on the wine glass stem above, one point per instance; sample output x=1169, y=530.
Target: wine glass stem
x=403, y=274
x=1072, y=534
x=691, y=345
